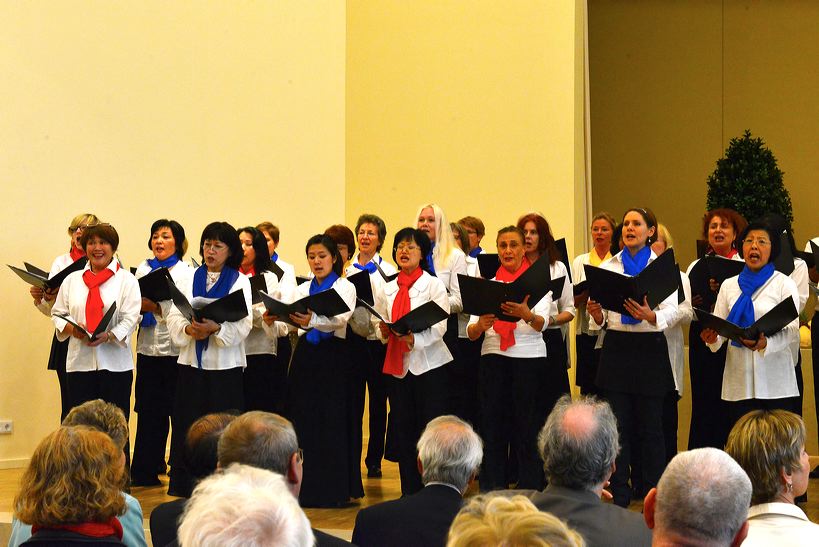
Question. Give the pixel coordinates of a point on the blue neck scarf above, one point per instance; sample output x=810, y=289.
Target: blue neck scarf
x=633, y=265
x=275, y=256
x=148, y=319
x=430, y=261
x=475, y=252
x=742, y=312
x=221, y=288
x=369, y=266
x=314, y=336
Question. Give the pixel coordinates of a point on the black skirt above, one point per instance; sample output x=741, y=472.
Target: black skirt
x=636, y=363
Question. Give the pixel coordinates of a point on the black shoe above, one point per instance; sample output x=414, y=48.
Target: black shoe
x=374, y=472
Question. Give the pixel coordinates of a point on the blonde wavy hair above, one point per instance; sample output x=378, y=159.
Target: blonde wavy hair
x=102, y=416
x=74, y=476
x=488, y=521
x=444, y=240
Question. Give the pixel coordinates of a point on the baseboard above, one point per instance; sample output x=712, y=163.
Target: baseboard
x=14, y=463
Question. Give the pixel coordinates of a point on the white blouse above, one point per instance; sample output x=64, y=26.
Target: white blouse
x=429, y=351
x=263, y=338
x=156, y=341
x=811, y=283
x=674, y=336
x=225, y=348
x=766, y=374
x=472, y=270
x=60, y=263
x=455, y=264
x=115, y=355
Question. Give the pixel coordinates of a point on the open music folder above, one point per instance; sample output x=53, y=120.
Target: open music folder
x=39, y=278
x=104, y=322
x=327, y=303
x=231, y=307
x=779, y=317
x=417, y=320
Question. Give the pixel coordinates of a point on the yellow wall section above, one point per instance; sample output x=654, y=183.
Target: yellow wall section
x=197, y=111
x=467, y=104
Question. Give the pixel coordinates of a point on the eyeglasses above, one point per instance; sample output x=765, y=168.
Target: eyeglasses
x=80, y=227
x=300, y=455
x=215, y=245
x=760, y=242
x=406, y=247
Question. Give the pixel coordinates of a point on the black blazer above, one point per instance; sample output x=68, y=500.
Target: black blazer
x=599, y=523
x=165, y=521
x=414, y=521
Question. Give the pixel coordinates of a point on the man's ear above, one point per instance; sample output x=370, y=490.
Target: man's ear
x=649, y=506
x=420, y=466
x=741, y=535
x=294, y=469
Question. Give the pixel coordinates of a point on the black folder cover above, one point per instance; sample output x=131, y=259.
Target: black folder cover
x=104, y=322
x=656, y=282
x=38, y=278
x=386, y=277
x=772, y=322
x=712, y=267
x=301, y=279
x=327, y=303
x=363, y=287
x=154, y=286
x=580, y=287
x=564, y=256
x=488, y=264
x=228, y=308
x=277, y=271
x=257, y=283
x=417, y=320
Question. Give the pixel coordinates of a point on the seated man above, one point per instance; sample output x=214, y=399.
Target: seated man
x=201, y=459
x=702, y=499
x=109, y=419
x=268, y=441
x=244, y=505
x=579, y=444
x=449, y=455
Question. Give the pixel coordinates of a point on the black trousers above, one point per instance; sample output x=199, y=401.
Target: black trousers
x=514, y=391
x=154, y=393
x=415, y=401
x=111, y=387
x=639, y=417
x=588, y=360
x=814, y=340
x=709, y=413
x=464, y=374
x=376, y=382
x=265, y=383
x=199, y=392
x=56, y=361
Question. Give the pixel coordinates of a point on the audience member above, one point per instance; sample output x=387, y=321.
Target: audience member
x=701, y=501
x=578, y=445
x=449, y=455
x=268, y=441
x=489, y=520
x=244, y=506
x=201, y=457
x=770, y=446
x=71, y=491
x=109, y=419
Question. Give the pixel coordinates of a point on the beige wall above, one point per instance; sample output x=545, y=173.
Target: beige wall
x=198, y=111
x=673, y=82
x=334, y=109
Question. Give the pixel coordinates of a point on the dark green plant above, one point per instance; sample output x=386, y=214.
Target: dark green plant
x=748, y=180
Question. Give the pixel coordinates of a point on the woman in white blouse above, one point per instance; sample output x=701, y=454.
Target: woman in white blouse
x=416, y=361
x=211, y=355
x=759, y=374
x=157, y=355
x=513, y=357
x=635, y=372
x=102, y=369
x=44, y=300
x=318, y=395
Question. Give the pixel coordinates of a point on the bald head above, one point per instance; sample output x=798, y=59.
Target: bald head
x=579, y=443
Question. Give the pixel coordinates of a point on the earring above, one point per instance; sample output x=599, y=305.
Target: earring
x=789, y=486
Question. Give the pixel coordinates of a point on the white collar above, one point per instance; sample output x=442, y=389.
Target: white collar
x=776, y=507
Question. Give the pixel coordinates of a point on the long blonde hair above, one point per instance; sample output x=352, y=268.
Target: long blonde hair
x=444, y=241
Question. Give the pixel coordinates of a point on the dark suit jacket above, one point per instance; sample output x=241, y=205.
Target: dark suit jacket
x=165, y=521
x=599, y=523
x=414, y=521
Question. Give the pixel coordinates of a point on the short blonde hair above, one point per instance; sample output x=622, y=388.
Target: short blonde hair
x=74, y=476
x=764, y=442
x=84, y=218
x=102, y=416
x=665, y=235
x=498, y=520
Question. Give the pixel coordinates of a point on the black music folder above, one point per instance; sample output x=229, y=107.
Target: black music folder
x=257, y=283
x=656, y=282
x=327, y=303
x=386, y=277
x=564, y=256
x=277, y=271
x=363, y=286
x=811, y=257
x=154, y=285
x=39, y=278
x=104, y=322
x=301, y=279
x=194, y=263
x=784, y=262
x=488, y=264
x=228, y=308
x=417, y=320
x=712, y=267
x=580, y=287
x=484, y=296
x=779, y=317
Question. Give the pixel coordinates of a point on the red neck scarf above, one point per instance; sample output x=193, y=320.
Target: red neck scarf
x=730, y=254
x=250, y=271
x=94, y=304
x=76, y=253
x=396, y=348
x=506, y=329
x=92, y=529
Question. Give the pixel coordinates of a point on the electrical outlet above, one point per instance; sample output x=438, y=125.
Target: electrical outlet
x=6, y=427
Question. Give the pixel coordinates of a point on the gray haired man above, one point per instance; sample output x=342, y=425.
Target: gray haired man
x=579, y=444
x=449, y=454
